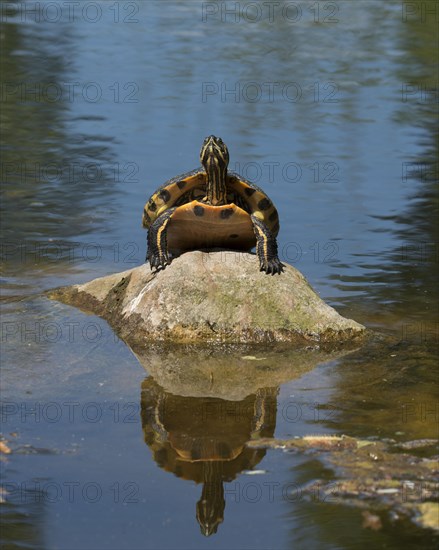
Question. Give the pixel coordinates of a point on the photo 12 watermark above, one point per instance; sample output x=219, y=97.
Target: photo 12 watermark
x=39, y=332
x=273, y=172
x=35, y=252
x=70, y=11
x=271, y=12
x=251, y=91
x=70, y=173
x=70, y=92
x=69, y=412
x=70, y=491
x=252, y=492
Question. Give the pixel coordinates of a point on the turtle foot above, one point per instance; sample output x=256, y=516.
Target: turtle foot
x=158, y=262
x=273, y=266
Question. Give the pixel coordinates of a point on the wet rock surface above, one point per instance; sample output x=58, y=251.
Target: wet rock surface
x=374, y=475
x=211, y=297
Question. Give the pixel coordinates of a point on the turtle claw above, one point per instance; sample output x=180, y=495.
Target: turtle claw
x=273, y=266
x=158, y=261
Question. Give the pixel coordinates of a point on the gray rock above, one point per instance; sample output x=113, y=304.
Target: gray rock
x=211, y=297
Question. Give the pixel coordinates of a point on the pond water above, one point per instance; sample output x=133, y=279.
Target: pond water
x=331, y=107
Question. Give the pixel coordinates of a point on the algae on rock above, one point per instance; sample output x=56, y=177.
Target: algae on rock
x=211, y=297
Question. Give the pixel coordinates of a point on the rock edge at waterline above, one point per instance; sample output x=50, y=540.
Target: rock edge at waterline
x=211, y=297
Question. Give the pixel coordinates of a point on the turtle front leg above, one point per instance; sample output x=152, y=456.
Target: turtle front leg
x=266, y=248
x=157, y=252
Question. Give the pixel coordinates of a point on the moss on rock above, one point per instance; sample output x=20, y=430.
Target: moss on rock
x=211, y=297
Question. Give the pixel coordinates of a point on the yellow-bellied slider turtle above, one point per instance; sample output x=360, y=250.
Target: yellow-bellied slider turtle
x=208, y=208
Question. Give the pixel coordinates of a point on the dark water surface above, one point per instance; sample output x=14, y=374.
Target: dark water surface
x=332, y=108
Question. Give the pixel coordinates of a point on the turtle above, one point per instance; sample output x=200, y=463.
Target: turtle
x=210, y=208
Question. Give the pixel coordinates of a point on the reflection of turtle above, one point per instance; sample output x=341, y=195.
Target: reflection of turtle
x=210, y=208
x=204, y=440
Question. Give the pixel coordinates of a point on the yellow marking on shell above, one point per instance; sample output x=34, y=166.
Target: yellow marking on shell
x=192, y=181
x=161, y=210
x=239, y=187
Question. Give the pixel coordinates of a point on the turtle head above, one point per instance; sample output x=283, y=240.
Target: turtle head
x=214, y=157
x=214, y=150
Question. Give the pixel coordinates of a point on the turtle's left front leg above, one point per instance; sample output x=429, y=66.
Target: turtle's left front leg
x=157, y=252
x=266, y=248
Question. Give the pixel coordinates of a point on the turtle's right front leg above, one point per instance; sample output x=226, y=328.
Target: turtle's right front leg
x=157, y=253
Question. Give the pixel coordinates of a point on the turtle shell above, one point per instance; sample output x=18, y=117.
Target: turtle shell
x=196, y=224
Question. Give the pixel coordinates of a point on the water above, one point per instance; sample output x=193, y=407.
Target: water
x=333, y=112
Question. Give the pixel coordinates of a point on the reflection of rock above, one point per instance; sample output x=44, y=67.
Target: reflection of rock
x=205, y=440
x=229, y=372
x=211, y=297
